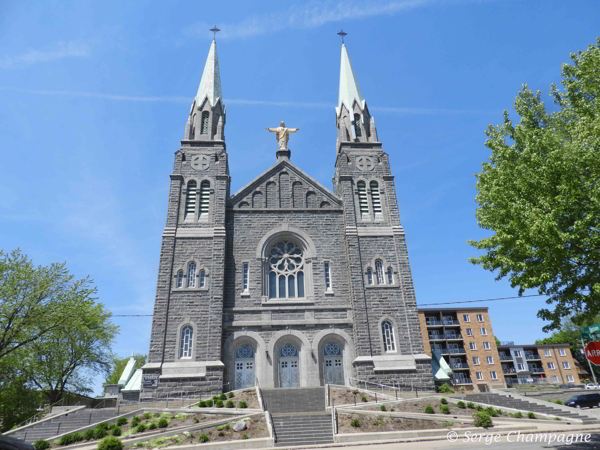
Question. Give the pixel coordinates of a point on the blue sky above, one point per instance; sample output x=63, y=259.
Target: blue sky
x=94, y=97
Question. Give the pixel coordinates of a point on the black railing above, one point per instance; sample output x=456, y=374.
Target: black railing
x=450, y=321
x=459, y=365
x=455, y=350
x=509, y=371
x=505, y=357
x=436, y=336
x=462, y=380
x=453, y=336
x=530, y=356
x=433, y=322
x=536, y=369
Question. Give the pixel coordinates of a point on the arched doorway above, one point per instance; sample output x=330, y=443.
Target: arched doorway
x=333, y=365
x=244, y=367
x=289, y=370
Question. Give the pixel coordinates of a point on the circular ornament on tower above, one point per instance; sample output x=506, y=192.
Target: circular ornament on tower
x=365, y=163
x=200, y=162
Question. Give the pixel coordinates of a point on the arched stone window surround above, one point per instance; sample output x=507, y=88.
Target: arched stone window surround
x=396, y=335
x=340, y=337
x=382, y=198
x=260, y=358
x=184, y=268
x=308, y=367
x=186, y=321
x=385, y=266
x=243, y=205
x=286, y=231
x=197, y=218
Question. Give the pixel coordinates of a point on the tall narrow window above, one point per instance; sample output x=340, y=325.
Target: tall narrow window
x=369, y=276
x=204, y=198
x=193, y=127
x=362, y=199
x=327, y=269
x=245, y=278
x=204, y=126
x=390, y=275
x=190, y=200
x=179, y=282
x=389, y=343
x=192, y=275
x=186, y=342
x=375, y=199
x=202, y=279
x=357, y=130
x=379, y=272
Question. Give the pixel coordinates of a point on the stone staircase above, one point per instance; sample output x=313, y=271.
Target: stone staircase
x=299, y=416
x=510, y=402
x=66, y=423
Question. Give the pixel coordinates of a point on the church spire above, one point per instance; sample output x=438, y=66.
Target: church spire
x=349, y=90
x=210, y=83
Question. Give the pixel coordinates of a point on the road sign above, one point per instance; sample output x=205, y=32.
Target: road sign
x=590, y=333
x=592, y=352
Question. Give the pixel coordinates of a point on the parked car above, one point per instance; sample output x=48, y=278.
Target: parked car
x=592, y=386
x=584, y=401
x=11, y=443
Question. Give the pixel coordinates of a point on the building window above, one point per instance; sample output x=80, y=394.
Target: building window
x=390, y=276
x=204, y=198
x=493, y=375
x=483, y=331
x=479, y=375
x=202, y=279
x=562, y=352
x=379, y=272
x=566, y=365
x=362, y=199
x=389, y=343
x=375, y=198
x=490, y=359
x=327, y=270
x=369, y=276
x=466, y=318
x=554, y=379
x=286, y=271
x=204, y=125
x=570, y=378
x=245, y=277
x=486, y=345
x=469, y=332
x=179, y=282
x=476, y=360
x=520, y=367
x=190, y=200
x=547, y=352
x=551, y=366
x=186, y=342
x=472, y=346
x=479, y=317
x=192, y=275
x=518, y=353
x=357, y=130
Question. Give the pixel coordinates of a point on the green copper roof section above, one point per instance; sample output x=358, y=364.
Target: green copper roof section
x=127, y=372
x=441, y=370
x=349, y=89
x=210, y=83
x=135, y=383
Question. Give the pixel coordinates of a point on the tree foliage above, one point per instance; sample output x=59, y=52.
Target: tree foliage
x=540, y=194
x=118, y=366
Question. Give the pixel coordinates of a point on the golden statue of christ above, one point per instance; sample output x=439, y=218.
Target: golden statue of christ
x=282, y=134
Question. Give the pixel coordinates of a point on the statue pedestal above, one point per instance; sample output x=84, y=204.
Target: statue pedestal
x=283, y=154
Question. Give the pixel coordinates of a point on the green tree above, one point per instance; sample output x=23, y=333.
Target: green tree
x=17, y=401
x=540, y=195
x=118, y=366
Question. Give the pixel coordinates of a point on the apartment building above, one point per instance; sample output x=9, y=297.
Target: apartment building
x=462, y=344
x=526, y=364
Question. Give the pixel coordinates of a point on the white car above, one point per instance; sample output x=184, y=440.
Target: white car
x=592, y=386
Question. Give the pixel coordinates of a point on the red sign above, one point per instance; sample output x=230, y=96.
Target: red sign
x=592, y=352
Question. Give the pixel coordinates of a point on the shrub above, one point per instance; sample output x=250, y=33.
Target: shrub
x=215, y=398
x=461, y=405
x=227, y=426
x=443, y=401
x=121, y=421
x=383, y=408
x=229, y=404
x=445, y=389
x=479, y=408
x=110, y=443
x=156, y=414
x=196, y=420
x=89, y=434
x=471, y=405
x=181, y=416
x=103, y=426
x=221, y=428
x=135, y=421
x=222, y=397
x=364, y=399
x=445, y=410
x=41, y=445
x=202, y=404
x=429, y=410
x=531, y=415
x=499, y=412
x=151, y=426
x=355, y=391
x=230, y=395
x=147, y=416
x=491, y=411
x=482, y=419
x=203, y=438
x=163, y=423
x=517, y=415
x=167, y=415
x=140, y=428
x=378, y=422
x=116, y=431
x=221, y=434
x=219, y=403
x=209, y=403
x=99, y=433
x=392, y=409
x=242, y=405
x=245, y=436
x=448, y=424
x=559, y=402
x=355, y=423
x=557, y=418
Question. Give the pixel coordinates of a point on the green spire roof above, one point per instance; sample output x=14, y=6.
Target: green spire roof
x=349, y=89
x=210, y=83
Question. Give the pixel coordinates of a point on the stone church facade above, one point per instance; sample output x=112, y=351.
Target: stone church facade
x=285, y=283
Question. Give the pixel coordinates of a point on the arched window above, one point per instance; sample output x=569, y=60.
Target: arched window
x=357, y=130
x=202, y=279
x=389, y=342
x=179, y=282
x=190, y=200
x=286, y=270
x=204, y=126
x=390, y=275
x=375, y=199
x=379, y=272
x=362, y=198
x=192, y=275
x=369, y=276
x=204, y=198
x=186, y=342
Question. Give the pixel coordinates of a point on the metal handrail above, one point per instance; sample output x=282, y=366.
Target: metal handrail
x=39, y=414
x=397, y=389
x=259, y=395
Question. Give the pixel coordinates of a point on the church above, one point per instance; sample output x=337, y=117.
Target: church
x=285, y=283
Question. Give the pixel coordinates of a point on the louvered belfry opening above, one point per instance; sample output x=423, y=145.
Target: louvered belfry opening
x=362, y=198
x=204, y=198
x=190, y=200
x=204, y=128
x=376, y=200
x=357, y=130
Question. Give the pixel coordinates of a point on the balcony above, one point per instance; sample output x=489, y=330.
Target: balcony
x=454, y=350
x=462, y=380
x=436, y=337
x=459, y=365
x=532, y=357
x=431, y=322
x=536, y=369
x=505, y=357
x=508, y=370
x=450, y=321
x=453, y=336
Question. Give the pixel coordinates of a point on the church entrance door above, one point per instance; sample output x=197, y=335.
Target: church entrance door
x=333, y=368
x=289, y=370
x=244, y=367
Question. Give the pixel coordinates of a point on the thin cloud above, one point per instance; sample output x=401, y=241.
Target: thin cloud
x=60, y=51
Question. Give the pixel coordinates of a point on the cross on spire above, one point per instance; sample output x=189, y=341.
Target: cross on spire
x=215, y=30
x=342, y=33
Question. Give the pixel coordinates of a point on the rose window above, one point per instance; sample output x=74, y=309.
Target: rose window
x=332, y=349
x=286, y=270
